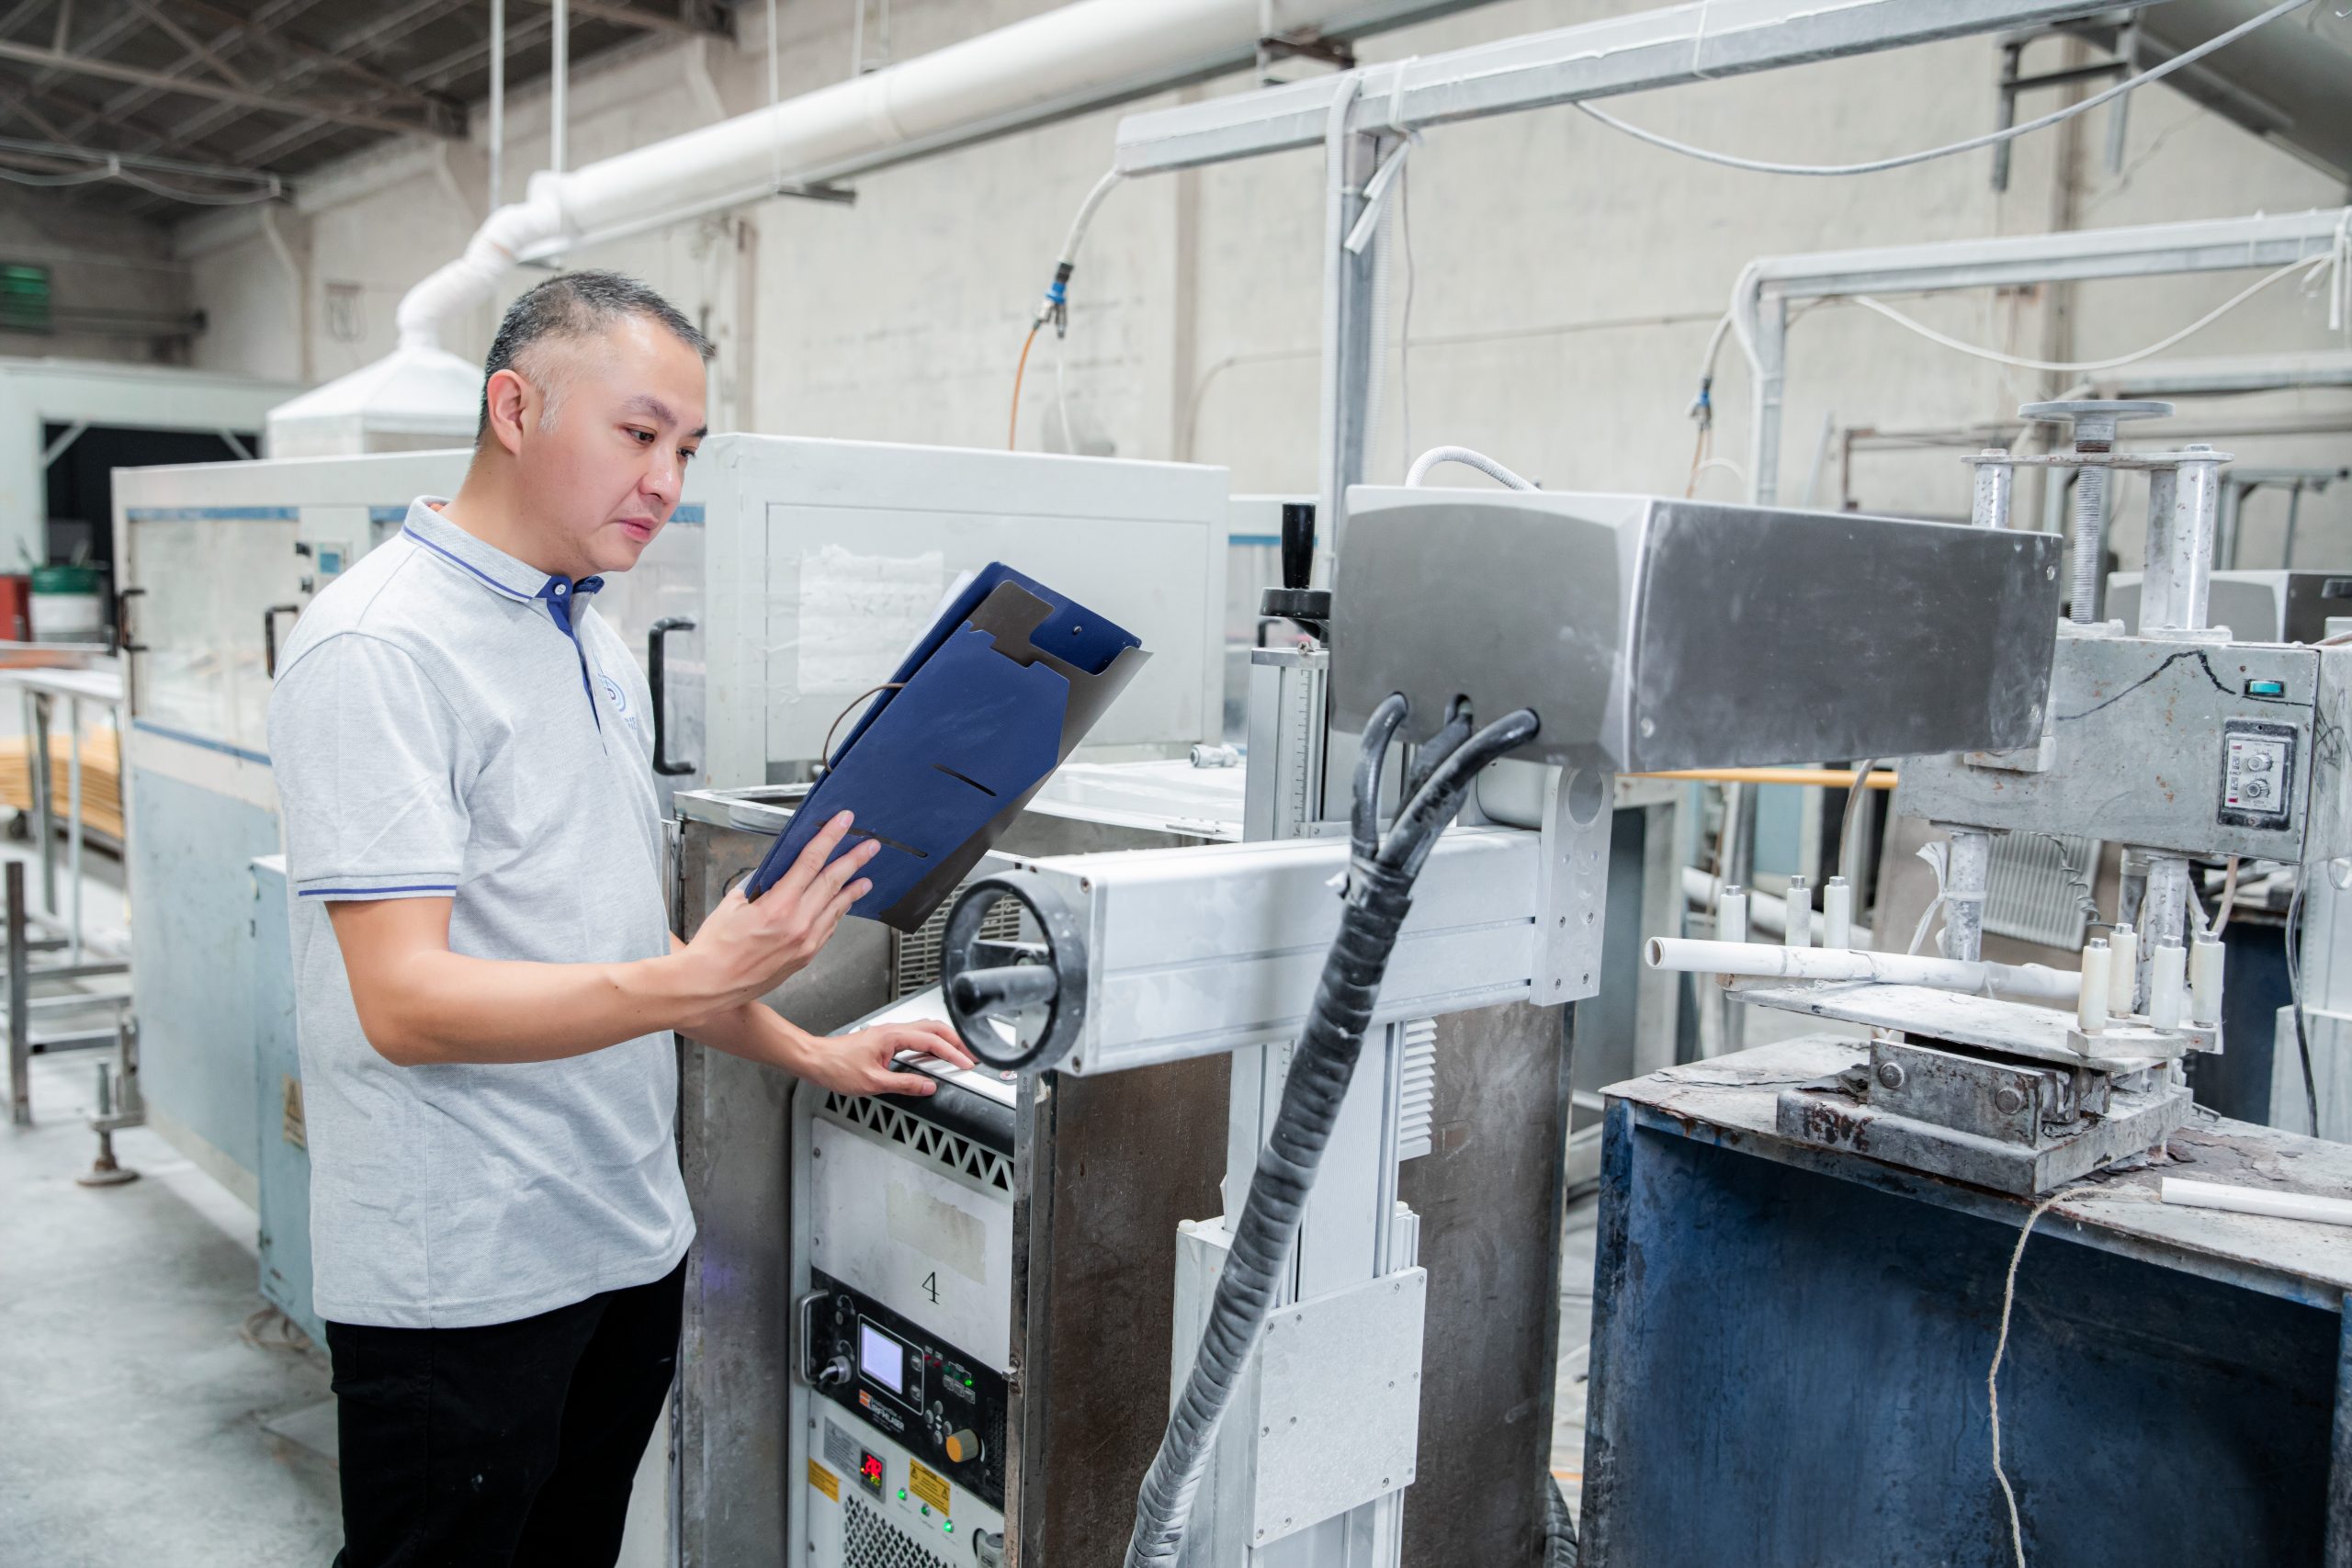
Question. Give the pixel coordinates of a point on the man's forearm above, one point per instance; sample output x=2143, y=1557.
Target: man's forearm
x=445, y=1007
x=754, y=1032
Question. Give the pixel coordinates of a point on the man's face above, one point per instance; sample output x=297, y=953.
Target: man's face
x=602, y=477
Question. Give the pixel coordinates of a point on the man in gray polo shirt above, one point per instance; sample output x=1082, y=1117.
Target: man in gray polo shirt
x=486, y=980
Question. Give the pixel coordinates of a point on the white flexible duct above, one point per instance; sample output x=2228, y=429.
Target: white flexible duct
x=2012, y=982
x=1091, y=46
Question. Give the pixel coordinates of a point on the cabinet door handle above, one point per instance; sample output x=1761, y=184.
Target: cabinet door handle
x=269, y=636
x=656, y=643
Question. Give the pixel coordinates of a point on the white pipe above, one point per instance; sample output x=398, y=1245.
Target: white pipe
x=1089, y=47
x=2250, y=1200
x=2022, y=982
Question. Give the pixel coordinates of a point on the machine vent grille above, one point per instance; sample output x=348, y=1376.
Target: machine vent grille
x=2032, y=895
x=1421, y=1088
x=952, y=1150
x=867, y=1542
x=914, y=956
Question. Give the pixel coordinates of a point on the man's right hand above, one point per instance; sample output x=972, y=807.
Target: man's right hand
x=747, y=948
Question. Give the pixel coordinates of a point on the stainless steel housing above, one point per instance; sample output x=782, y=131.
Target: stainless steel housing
x=1651, y=633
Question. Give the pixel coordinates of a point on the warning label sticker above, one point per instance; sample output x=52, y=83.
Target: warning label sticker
x=825, y=1481
x=931, y=1487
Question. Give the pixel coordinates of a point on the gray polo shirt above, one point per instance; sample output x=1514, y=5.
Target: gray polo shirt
x=451, y=723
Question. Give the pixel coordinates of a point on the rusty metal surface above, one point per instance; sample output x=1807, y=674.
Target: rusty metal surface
x=1489, y=1194
x=1733, y=1100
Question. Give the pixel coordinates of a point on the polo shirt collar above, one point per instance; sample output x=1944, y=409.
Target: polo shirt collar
x=486, y=563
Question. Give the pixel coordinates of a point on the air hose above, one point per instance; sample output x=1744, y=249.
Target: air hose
x=1379, y=893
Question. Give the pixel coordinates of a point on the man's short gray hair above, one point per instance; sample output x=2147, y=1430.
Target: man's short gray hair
x=576, y=306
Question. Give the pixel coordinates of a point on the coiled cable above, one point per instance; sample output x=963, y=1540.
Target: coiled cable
x=1379, y=895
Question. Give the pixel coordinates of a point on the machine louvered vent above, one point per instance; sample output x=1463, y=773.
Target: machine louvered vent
x=952, y=1150
x=2036, y=886
x=867, y=1542
x=914, y=956
x=1419, y=1107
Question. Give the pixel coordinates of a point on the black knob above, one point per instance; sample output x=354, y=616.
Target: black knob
x=835, y=1372
x=1295, y=601
x=1299, y=544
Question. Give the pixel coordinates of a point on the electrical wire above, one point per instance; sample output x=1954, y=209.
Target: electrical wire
x=1405, y=327
x=1012, y=428
x=2312, y=265
x=2229, y=897
x=825, y=753
x=2294, y=955
x=2001, y=1345
x=1876, y=165
x=112, y=169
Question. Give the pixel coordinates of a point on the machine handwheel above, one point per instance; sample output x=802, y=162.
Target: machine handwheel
x=1017, y=1005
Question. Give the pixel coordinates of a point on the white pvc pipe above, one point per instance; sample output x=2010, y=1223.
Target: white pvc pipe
x=558, y=86
x=1086, y=48
x=2252, y=1201
x=2022, y=982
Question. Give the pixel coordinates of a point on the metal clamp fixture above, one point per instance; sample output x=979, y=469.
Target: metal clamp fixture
x=2095, y=422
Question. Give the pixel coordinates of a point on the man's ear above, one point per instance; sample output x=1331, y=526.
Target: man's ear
x=509, y=397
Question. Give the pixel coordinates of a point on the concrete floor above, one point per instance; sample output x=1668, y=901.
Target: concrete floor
x=138, y=1403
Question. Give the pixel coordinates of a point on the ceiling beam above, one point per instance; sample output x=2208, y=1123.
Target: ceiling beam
x=74, y=64
x=694, y=19
x=288, y=45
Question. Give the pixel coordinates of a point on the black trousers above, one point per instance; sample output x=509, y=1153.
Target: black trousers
x=508, y=1446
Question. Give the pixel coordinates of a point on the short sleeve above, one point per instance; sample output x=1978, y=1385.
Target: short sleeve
x=371, y=763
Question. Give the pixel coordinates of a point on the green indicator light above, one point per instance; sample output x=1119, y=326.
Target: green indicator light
x=947, y=1525
x=902, y=1493
x=926, y=1510
x=2265, y=688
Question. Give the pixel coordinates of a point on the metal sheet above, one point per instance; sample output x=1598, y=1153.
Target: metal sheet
x=2139, y=749
x=1491, y=1195
x=1652, y=634
x=1340, y=1389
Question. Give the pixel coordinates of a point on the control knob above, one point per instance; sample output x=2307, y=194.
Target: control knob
x=963, y=1447
x=836, y=1373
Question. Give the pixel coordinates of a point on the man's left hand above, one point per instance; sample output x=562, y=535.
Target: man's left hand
x=862, y=1063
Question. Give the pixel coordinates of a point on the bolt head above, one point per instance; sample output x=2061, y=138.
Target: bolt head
x=2009, y=1100
x=1890, y=1075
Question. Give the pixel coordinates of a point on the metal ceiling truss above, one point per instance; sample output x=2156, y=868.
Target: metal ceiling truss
x=249, y=64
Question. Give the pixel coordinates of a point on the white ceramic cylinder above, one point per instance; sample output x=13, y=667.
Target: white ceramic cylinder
x=1731, y=914
x=2090, y=1008
x=2205, y=981
x=2168, y=985
x=2123, y=970
x=1799, y=901
x=1837, y=914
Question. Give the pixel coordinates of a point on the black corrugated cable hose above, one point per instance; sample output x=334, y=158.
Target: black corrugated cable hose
x=1380, y=883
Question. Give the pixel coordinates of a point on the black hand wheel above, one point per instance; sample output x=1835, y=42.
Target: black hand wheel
x=1018, y=1006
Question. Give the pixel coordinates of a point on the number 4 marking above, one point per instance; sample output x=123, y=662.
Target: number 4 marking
x=932, y=1284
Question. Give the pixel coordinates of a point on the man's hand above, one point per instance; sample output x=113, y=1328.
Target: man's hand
x=747, y=948
x=860, y=1063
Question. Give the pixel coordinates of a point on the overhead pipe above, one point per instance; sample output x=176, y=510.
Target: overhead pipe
x=1075, y=55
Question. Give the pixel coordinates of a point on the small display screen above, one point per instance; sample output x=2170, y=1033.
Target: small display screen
x=882, y=1358
x=869, y=1470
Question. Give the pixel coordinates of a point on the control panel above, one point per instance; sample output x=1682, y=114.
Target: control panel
x=945, y=1407
x=2258, y=773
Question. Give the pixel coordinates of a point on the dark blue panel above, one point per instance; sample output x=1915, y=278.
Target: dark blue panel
x=1787, y=1372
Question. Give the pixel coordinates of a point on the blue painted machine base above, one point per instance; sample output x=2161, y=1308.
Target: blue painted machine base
x=1789, y=1362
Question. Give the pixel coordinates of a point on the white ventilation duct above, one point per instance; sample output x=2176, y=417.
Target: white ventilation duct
x=1079, y=56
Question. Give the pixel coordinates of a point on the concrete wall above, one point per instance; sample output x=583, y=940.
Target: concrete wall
x=98, y=262
x=1565, y=278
